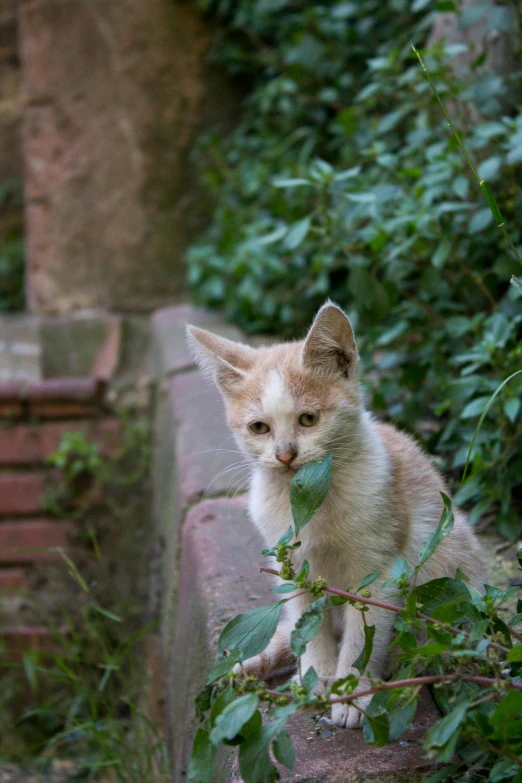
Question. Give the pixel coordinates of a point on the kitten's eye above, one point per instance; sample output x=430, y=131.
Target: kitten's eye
x=259, y=428
x=308, y=419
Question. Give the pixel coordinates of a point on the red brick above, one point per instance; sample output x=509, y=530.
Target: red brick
x=20, y=639
x=21, y=493
x=29, y=541
x=25, y=444
x=10, y=399
x=10, y=409
x=60, y=398
x=62, y=409
x=12, y=579
x=80, y=389
x=10, y=390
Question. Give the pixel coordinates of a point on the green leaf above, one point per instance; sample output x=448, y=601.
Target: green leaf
x=482, y=417
x=106, y=613
x=512, y=408
x=255, y=763
x=400, y=716
x=307, y=627
x=297, y=233
x=492, y=204
x=284, y=750
x=203, y=756
x=368, y=580
x=515, y=620
x=289, y=182
x=360, y=198
x=474, y=408
x=515, y=654
x=480, y=221
x=441, y=739
x=223, y=667
x=233, y=718
x=443, y=599
x=509, y=708
x=225, y=698
x=376, y=729
x=251, y=632
x=308, y=489
x=389, y=335
x=439, y=534
x=30, y=660
x=479, y=630
x=310, y=679
x=362, y=660
x=338, y=600
x=286, y=588
x=347, y=174
x=400, y=568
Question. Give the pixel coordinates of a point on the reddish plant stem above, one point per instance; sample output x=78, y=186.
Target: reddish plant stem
x=397, y=610
x=515, y=634
x=412, y=683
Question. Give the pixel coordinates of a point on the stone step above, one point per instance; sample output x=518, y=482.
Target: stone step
x=20, y=351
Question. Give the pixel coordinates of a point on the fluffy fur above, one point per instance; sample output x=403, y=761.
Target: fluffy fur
x=383, y=501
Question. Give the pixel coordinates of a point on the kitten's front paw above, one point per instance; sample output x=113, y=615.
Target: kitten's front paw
x=320, y=688
x=346, y=716
x=258, y=666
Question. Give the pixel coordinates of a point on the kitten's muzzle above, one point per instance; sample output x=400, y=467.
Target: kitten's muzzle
x=286, y=455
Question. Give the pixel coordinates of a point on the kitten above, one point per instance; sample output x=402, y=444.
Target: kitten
x=291, y=403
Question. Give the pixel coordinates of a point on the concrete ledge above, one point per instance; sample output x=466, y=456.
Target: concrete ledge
x=169, y=353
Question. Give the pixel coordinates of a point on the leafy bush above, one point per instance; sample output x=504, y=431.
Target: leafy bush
x=342, y=180
x=12, y=255
x=464, y=643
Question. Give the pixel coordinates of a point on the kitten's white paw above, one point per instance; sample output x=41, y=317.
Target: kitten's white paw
x=256, y=666
x=346, y=717
x=322, y=684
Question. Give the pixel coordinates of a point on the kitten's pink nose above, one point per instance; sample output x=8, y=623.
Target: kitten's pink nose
x=287, y=455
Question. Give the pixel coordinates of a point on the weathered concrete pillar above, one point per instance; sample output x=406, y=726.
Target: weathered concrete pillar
x=490, y=29
x=115, y=91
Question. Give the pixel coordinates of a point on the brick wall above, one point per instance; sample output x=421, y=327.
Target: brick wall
x=33, y=419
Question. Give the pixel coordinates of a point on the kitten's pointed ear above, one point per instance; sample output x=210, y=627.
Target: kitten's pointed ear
x=225, y=361
x=330, y=345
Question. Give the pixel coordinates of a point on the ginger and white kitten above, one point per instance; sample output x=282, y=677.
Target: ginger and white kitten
x=291, y=403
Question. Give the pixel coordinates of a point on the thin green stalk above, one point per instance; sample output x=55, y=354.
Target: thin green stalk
x=482, y=417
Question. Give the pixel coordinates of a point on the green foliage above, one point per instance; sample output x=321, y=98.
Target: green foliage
x=308, y=489
x=343, y=180
x=76, y=455
x=251, y=632
x=90, y=479
x=468, y=651
x=82, y=701
x=12, y=255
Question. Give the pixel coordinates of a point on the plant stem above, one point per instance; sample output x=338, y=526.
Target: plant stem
x=398, y=610
x=427, y=680
x=412, y=682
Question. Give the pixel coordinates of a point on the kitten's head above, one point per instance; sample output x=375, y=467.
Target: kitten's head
x=290, y=403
